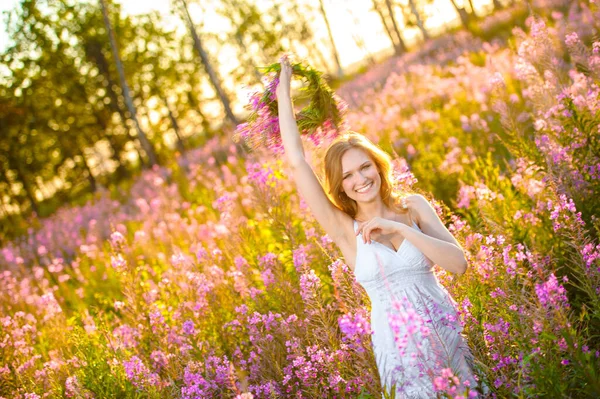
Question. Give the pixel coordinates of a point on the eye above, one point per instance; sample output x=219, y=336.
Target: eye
x=366, y=166
x=345, y=177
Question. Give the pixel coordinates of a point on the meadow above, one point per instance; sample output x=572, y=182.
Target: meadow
x=209, y=278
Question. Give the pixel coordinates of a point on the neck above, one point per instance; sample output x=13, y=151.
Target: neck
x=369, y=210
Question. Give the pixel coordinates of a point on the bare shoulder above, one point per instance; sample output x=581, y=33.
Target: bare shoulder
x=419, y=207
x=427, y=218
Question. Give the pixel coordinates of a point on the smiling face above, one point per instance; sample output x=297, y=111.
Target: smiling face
x=360, y=178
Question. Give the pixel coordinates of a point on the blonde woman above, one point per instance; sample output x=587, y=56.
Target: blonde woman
x=391, y=243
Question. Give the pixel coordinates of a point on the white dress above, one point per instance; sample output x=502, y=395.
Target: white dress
x=416, y=330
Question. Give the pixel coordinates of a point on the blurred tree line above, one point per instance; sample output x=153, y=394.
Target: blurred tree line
x=89, y=94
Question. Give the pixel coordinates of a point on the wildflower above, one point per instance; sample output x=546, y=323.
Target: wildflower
x=551, y=293
x=189, y=327
x=268, y=277
x=50, y=305
x=138, y=374
x=116, y=239
x=118, y=263
x=572, y=39
x=300, y=256
x=354, y=327
x=159, y=359
x=309, y=283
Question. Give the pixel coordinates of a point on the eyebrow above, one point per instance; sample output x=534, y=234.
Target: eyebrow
x=363, y=164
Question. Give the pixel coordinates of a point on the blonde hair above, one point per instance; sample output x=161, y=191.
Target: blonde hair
x=333, y=173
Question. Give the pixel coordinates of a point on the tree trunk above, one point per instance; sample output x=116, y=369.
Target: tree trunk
x=384, y=22
x=462, y=13
x=214, y=79
x=473, y=12
x=390, y=9
x=95, y=52
x=417, y=14
x=146, y=145
x=340, y=71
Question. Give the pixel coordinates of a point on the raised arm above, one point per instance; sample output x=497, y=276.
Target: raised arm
x=336, y=223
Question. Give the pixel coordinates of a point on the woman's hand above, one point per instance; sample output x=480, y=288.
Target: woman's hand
x=379, y=226
x=285, y=77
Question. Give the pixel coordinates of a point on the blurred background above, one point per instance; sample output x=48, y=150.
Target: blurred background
x=70, y=122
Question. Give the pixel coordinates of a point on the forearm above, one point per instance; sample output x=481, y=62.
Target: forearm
x=442, y=253
x=290, y=135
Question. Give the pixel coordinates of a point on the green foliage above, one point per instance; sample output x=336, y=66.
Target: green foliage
x=322, y=104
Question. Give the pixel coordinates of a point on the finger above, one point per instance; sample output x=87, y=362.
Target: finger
x=367, y=233
x=372, y=227
x=359, y=227
x=362, y=231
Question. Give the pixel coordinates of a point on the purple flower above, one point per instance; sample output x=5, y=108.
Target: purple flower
x=138, y=374
x=309, y=283
x=551, y=293
x=355, y=327
x=189, y=327
x=159, y=359
x=300, y=257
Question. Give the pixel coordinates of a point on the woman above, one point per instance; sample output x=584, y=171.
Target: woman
x=391, y=249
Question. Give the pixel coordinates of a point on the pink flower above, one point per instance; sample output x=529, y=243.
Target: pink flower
x=309, y=283
x=551, y=293
x=116, y=239
x=572, y=39
x=118, y=263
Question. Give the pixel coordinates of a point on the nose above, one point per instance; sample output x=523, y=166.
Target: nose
x=362, y=180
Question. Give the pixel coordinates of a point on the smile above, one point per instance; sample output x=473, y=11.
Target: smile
x=364, y=188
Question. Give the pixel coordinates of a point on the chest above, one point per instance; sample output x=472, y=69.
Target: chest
x=376, y=261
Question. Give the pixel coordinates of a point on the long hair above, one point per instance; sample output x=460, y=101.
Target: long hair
x=333, y=173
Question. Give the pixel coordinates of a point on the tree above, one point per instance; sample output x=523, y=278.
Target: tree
x=392, y=17
x=464, y=16
x=125, y=89
x=214, y=78
x=418, y=19
x=389, y=23
x=340, y=71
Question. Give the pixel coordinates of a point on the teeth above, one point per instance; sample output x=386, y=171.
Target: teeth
x=363, y=189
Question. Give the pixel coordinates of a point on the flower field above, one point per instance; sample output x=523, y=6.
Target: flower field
x=209, y=278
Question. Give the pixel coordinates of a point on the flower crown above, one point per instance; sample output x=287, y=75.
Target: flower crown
x=321, y=118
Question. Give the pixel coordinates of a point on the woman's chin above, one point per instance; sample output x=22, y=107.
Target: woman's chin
x=370, y=197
